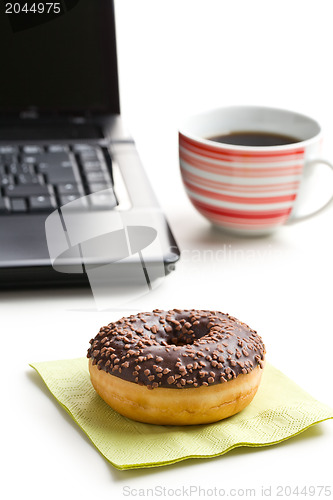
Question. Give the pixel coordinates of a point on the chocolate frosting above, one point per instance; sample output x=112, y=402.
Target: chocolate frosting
x=177, y=348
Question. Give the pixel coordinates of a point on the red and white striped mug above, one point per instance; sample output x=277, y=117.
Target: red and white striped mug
x=249, y=189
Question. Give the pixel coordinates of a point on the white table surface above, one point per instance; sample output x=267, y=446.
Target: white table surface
x=177, y=57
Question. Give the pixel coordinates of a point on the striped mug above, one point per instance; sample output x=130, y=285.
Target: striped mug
x=249, y=190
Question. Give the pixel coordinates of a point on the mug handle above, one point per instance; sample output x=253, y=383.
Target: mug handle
x=295, y=218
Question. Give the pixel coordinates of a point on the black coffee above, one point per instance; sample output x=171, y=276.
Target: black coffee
x=249, y=138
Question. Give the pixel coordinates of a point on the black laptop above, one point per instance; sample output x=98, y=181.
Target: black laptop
x=73, y=193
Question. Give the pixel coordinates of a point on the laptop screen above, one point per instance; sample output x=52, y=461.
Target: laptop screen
x=58, y=57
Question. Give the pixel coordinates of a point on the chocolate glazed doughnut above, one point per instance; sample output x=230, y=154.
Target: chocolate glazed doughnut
x=177, y=367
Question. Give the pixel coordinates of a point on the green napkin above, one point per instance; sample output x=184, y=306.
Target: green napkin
x=279, y=411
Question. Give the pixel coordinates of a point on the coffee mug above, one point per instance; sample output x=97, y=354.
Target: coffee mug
x=244, y=167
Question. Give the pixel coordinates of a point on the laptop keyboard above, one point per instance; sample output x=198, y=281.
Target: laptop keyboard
x=36, y=178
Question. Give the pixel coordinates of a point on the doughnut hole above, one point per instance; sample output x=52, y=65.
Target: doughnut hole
x=181, y=339
x=187, y=335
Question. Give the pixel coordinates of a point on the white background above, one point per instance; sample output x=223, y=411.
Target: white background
x=178, y=57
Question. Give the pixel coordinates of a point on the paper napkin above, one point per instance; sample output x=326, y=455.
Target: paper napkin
x=279, y=411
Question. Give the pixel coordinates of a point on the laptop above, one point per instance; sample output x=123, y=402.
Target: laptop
x=74, y=197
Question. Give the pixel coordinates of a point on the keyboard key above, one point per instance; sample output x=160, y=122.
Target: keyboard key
x=57, y=174
x=37, y=203
x=17, y=168
x=67, y=198
x=45, y=167
x=28, y=179
x=98, y=186
x=92, y=166
x=18, y=205
x=103, y=200
x=24, y=191
x=54, y=158
x=78, y=148
x=58, y=148
x=89, y=155
x=6, y=180
x=8, y=150
x=69, y=188
x=32, y=149
x=29, y=159
x=60, y=175
x=96, y=177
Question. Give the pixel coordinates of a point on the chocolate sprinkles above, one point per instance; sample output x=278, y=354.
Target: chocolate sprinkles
x=177, y=348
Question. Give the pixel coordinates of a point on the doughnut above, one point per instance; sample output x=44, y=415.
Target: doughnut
x=177, y=367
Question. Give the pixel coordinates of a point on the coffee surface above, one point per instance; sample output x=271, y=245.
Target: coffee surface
x=253, y=138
